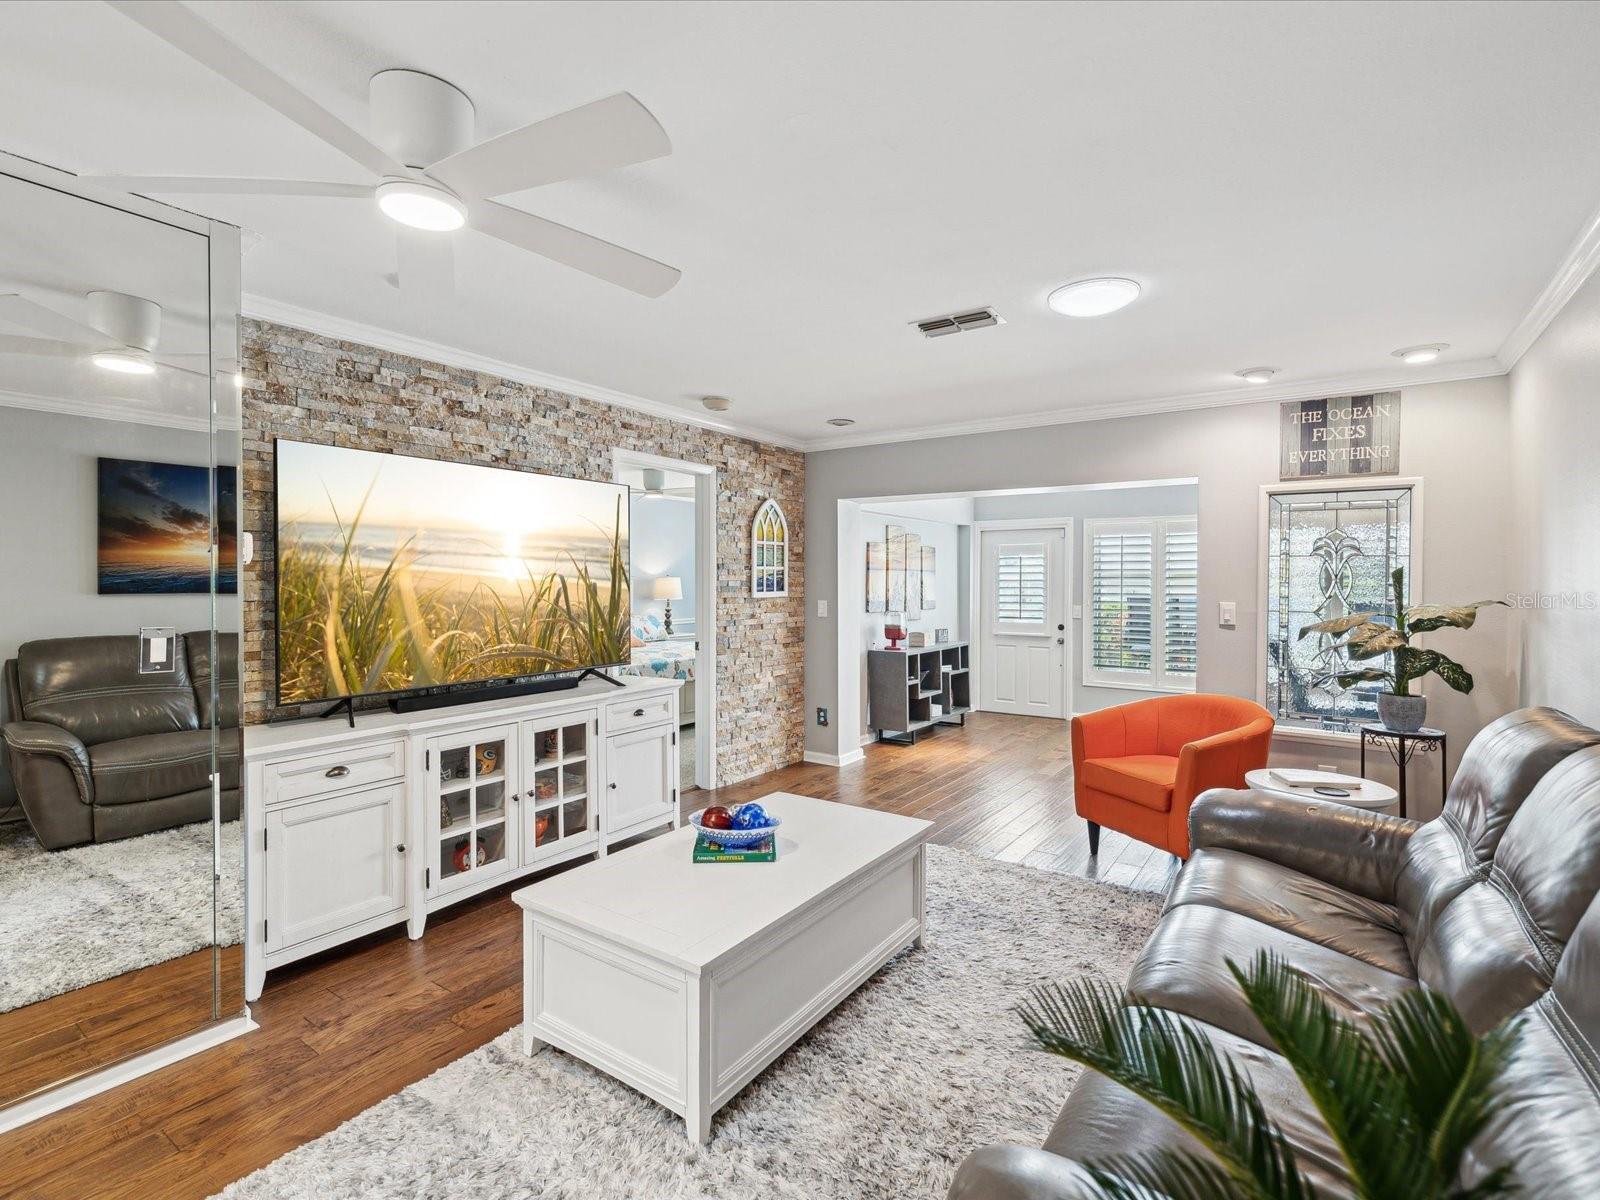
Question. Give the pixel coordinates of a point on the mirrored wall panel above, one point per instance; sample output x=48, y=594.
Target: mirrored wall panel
x=121, y=860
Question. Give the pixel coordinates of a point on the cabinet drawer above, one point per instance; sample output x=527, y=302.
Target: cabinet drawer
x=635, y=714
x=334, y=771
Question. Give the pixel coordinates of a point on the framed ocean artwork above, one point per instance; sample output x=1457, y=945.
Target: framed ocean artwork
x=154, y=529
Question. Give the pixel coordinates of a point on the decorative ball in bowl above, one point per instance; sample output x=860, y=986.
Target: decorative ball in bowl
x=745, y=825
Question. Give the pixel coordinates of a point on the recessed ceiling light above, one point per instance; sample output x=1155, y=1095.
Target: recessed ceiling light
x=717, y=403
x=421, y=205
x=1094, y=297
x=1421, y=354
x=125, y=362
x=841, y=422
x=1257, y=374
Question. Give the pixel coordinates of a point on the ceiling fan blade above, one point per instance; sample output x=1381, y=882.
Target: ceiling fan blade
x=609, y=133
x=167, y=364
x=180, y=27
x=173, y=184
x=40, y=347
x=24, y=312
x=426, y=264
x=580, y=251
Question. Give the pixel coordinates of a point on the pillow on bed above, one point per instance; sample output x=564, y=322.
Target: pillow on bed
x=647, y=627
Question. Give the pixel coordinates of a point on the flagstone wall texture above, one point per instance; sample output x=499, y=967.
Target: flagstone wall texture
x=316, y=389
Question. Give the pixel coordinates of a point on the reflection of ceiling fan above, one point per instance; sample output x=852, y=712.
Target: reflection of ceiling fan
x=430, y=175
x=655, y=487
x=121, y=334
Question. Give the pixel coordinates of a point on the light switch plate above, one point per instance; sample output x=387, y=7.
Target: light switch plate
x=247, y=548
x=157, y=649
x=1077, y=612
x=822, y=608
x=1227, y=613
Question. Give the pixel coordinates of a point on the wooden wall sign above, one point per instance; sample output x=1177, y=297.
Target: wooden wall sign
x=1339, y=435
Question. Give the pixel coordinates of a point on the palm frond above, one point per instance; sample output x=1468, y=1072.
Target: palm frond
x=1161, y=1175
x=1164, y=1058
x=1364, y=1104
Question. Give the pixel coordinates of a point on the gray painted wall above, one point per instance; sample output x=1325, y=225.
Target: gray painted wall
x=1455, y=436
x=661, y=542
x=49, y=494
x=1556, y=456
x=1169, y=501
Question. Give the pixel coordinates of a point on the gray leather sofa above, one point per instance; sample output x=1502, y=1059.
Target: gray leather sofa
x=99, y=751
x=1494, y=903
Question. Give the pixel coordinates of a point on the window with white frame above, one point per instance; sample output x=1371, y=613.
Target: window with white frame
x=1330, y=552
x=1141, y=585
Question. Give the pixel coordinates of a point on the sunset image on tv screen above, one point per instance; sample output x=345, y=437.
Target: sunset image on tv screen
x=396, y=573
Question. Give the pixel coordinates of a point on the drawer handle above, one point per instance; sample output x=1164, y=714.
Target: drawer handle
x=337, y=772
x=638, y=712
x=612, y=786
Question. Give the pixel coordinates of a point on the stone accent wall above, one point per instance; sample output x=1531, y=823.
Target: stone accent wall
x=317, y=389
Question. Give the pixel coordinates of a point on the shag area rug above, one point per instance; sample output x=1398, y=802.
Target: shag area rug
x=74, y=917
x=924, y=1063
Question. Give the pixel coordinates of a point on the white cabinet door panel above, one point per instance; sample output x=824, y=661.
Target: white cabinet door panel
x=333, y=863
x=641, y=770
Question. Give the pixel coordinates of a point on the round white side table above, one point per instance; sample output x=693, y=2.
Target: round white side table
x=1369, y=795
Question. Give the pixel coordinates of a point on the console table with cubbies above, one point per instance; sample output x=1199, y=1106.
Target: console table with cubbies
x=916, y=688
x=353, y=830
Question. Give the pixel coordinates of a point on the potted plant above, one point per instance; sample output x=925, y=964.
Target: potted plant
x=1403, y=1095
x=1370, y=635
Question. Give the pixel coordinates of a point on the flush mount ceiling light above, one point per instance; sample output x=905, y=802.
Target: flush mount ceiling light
x=1416, y=355
x=125, y=362
x=1094, y=297
x=1257, y=374
x=421, y=205
x=841, y=422
x=716, y=403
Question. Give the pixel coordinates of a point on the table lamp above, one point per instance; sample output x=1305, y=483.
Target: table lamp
x=668, y=588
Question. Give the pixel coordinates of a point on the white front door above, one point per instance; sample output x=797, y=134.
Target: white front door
x=1023, y=638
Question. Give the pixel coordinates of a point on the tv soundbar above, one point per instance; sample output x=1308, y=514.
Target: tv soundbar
x=423, y=701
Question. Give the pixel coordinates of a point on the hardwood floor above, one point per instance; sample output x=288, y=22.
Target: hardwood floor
x=342, y=1031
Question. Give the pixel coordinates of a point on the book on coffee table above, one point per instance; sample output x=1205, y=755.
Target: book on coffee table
x=1290, y=777
x=705, y=851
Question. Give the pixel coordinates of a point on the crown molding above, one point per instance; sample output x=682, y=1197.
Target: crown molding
x=102, y=410
x=1341, y=385
x=264, y=308
x=1580, y=261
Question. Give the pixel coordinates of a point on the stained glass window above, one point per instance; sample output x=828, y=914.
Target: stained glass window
x=769, y=551
x=1329, y=553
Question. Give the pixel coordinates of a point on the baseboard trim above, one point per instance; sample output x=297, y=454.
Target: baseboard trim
x=130, y=1069
x=818, y=759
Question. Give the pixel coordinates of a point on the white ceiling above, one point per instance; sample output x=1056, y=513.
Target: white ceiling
x=1305, y=186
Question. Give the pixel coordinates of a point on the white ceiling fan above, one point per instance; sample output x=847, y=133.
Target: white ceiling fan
x=430, y=175
x=121, y=334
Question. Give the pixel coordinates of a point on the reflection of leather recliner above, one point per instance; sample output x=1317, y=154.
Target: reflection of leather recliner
x=99, y=751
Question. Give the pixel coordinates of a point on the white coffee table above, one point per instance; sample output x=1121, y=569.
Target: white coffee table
x=685, y=980
x=1369, y=795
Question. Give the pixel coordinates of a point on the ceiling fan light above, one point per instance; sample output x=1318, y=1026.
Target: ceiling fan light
x=124, y=362
x=421, y=205
x=1094, y=297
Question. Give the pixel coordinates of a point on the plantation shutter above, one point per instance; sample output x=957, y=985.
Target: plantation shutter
x=1020, y=587
x=1141, y=625
x=1180, y=575
x=1121, y=581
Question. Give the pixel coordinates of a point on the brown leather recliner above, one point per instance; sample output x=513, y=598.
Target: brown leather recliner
x=1496, y=904
x=98, y=751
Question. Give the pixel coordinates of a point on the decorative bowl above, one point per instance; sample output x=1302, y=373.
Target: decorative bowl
x=734, y=837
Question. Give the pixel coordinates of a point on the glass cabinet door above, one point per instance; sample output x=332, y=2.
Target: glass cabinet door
x=471, y=801
x=557, y=816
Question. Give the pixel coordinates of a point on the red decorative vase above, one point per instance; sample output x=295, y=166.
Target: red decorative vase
x=896, y=634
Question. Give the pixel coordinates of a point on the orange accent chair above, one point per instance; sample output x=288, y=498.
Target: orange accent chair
x=1137, y=767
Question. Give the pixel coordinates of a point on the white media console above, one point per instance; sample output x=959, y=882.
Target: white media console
x=351, y=830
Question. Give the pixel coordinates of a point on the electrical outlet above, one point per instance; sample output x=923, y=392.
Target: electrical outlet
x=822, y=715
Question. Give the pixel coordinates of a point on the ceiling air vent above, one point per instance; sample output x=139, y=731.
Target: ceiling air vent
x=977, y=318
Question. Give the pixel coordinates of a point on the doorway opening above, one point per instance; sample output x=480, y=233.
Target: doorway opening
x=673, y=573
x=1068, y=598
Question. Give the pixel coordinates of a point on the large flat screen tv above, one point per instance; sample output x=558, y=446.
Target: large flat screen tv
x=405, y=575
